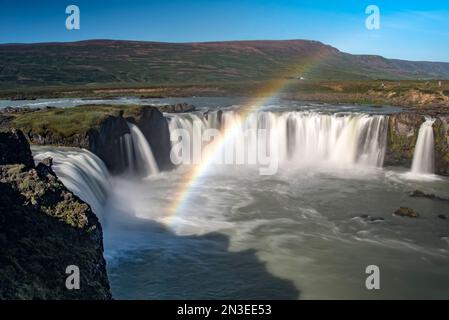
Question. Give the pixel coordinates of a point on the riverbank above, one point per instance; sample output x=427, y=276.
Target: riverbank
x=424, y=96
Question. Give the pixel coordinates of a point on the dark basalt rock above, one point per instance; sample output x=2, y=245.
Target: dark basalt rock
x=45, y=167
x=177, y=108
x=421, y=194
x=14, y=148
x=107, y=142
x=406, y=212
x=43, y=229
x=106, y=138
x=5, y=120
x=154, y=127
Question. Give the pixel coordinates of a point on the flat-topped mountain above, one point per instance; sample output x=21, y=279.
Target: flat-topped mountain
x=115, y=62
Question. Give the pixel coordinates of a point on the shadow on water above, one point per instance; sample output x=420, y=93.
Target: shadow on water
x=148, y=261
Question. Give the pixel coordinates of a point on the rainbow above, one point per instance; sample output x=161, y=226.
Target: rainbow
x=194, y=177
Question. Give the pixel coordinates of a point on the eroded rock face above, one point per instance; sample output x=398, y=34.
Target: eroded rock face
x=441, y=137
x=406, y=212
x=50, y=138
x=177, y=108
x=43, y=229
x=154, y=127
x=106, y=138
x=403, y=132
x=107, y=143
x=14, y=148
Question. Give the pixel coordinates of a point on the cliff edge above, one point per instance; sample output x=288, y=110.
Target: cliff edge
x=44, y=228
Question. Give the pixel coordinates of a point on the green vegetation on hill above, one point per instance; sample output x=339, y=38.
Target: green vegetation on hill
x=130, y=63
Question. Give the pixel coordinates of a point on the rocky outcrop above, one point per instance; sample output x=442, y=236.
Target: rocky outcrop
x=44, y=228
x=107, y=142
x=421, y=194
x=406, y=212
x=106, y=135
x=403, y=132
x=14, y=149
x=177, y=108
x=79, y=140
x=441, y=137
x=154, y=127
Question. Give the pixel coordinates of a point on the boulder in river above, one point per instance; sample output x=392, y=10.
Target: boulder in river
x=406, y=212
x=421, y=194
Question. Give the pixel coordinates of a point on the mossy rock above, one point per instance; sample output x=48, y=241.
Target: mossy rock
x=403, y=132
x=43, y=229
x=406, y=212
x=441, y=137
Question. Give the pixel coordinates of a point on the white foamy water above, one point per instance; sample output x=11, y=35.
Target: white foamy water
x=298, y=138
x=142, y=152
x=423, y=158
x=82, y=172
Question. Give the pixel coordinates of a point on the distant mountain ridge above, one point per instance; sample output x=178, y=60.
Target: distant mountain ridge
x=103, y=62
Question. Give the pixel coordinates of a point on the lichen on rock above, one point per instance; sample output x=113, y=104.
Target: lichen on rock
x=406, y=212
x=44, y=228
x=403, y=132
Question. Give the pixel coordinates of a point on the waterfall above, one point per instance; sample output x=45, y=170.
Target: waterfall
x=423, y=158
x=81, y=171
x=301, y=137
x=128, y=152
x=136, y=154
x=139, y=152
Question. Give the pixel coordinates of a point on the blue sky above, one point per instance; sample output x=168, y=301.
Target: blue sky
x=414, y=30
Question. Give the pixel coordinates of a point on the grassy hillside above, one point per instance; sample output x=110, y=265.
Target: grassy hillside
x=129, y=63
